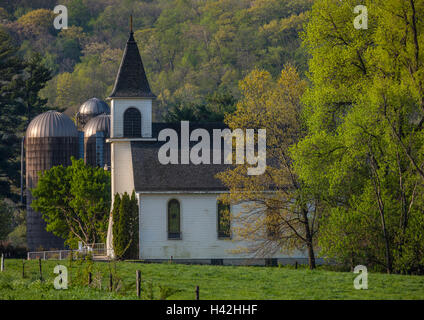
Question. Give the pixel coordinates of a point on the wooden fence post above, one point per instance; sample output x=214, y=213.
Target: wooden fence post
x=138, y=282
x=197, y=293
x=296, y=265
x=39, y=269
x=110, y=282
x=2, y=263
x=23, y=268
x=70, y=258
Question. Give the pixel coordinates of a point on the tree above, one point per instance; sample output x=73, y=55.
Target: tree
x=134, y=223
x=6, y=215
x=79, y=14
x=10, y=66
x=19, y=102
x=36, y=75
x=93, y=76
x=285, y=218
x=17, y=237
x=189, y=48
x=122, y=238
x=115, y=222
x=214, y=109
x=74, y=202
x=38, y=22
x=364, y=113
x=125, y=226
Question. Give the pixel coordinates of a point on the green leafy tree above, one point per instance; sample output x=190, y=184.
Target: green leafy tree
x=37, y=22
x=134, y=222
x=364, y=113
x=215, y=108
x=74, y=202
x=124, y=230
x=115, y=222
x=125, y=226
x=285, y=219
x=79, y=14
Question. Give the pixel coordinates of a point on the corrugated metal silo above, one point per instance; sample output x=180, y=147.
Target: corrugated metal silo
x=90, y=109
x=51, y=139
x=96, y=150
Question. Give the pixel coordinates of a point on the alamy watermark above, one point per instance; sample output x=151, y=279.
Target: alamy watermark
x=200, y=153
x=61, y=281
x=361, y=21
x=61, y=20
x=361, y=281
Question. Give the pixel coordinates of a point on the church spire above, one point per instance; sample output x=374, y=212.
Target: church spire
x=131, y=81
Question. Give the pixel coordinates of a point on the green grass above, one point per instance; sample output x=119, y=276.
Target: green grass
x=176, y=281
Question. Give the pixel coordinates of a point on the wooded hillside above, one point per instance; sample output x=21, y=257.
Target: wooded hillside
x=190, y=48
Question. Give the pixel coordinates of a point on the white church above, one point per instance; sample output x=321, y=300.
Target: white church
x=179, y=208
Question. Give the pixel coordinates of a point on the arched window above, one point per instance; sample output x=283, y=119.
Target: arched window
x=132, y=123
x=224, y=220
x=174, y=216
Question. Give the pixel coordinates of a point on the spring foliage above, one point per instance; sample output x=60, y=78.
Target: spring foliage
x=284, y=219
x=363, y=154
x=189, y=48
x=74, y=202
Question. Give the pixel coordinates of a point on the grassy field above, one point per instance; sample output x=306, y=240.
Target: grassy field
x=173, y=281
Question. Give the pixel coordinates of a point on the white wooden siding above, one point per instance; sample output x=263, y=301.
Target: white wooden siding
x=118, y=107
x=199, y=234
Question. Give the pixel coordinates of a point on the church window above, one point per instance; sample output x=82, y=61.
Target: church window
x=132, y=123
x=224, y=220
x=174, y=216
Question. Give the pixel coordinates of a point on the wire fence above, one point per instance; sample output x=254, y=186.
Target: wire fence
x=96, y=250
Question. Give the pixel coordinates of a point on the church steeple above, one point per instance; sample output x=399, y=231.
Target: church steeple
x=131, y=81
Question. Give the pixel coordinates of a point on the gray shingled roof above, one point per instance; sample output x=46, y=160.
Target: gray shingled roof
x=131, y=81
x=151, y=175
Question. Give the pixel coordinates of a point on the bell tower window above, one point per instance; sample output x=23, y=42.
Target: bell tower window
x=132, y=123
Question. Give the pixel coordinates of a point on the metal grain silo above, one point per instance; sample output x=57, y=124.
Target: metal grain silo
x=96, y=150
x=51, y=139
x=90, y=109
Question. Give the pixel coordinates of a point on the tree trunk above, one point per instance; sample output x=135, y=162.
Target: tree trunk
x=387, y=244
x=385, y=235
x=309, y=242
x=380, y=202
x=311, y=256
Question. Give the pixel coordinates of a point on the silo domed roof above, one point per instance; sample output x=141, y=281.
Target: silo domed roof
x=97, y=124
x=51, y=124
x=94, y=107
